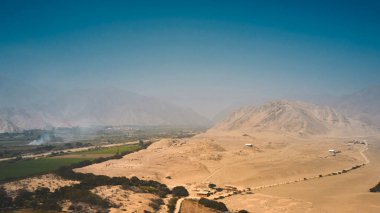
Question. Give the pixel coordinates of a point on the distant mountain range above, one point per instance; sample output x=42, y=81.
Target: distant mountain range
x=25, y=107
x=40, y=109
x=363, y=105
x=294, y=118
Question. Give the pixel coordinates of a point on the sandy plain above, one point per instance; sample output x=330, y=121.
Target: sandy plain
x=283, y=171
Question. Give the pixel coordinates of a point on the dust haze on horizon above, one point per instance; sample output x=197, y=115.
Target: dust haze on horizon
x=206, y=56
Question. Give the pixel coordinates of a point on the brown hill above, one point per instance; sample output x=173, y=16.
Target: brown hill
x=291, y=117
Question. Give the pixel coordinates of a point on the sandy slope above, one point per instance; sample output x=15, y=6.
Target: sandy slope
x=274, y=159
x=269, y=203
x=225, y=160
x=342, y=193
x=289, y=153
x=50, y=181
x=190, y=206
x=125, y=200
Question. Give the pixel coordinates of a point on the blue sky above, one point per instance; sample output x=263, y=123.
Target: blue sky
x=206, y=55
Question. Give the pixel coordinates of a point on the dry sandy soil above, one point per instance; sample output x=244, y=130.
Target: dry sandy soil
x=190, y=206
x=50, y=181
x=342, y=193
x=126, y=200
x=224, y=160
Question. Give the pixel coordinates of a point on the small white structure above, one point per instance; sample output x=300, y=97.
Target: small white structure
x=204, y=193
x=248, y=145
x=334, y=152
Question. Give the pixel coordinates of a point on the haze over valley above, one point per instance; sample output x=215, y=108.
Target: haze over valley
x=189, y=106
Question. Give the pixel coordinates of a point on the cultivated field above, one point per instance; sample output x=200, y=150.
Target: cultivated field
x=24, y=168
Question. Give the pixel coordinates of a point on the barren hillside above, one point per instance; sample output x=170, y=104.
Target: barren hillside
x=290, y=117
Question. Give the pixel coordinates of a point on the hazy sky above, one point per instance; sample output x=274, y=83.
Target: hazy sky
x=206, y=55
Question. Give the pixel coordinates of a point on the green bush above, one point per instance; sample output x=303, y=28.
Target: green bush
x=156, y=204
x=180, y=191
x=80, y=195
x=213, y=204
x=211, y=185
x=172, y=203
x=6, y=202
x=375, y=188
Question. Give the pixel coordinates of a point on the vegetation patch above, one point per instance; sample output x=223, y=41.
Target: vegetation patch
x=171, y=204
x=213, y=204
x=180, y=191
x=24, y=168
x=116, y=150
x=79, y=194
x=375, y=188
x=11, y=170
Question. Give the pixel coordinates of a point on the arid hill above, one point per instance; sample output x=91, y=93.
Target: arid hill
x=256, y=149
x=291, y=117
x=363, y=105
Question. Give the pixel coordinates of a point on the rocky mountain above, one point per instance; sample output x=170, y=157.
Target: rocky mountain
x=35, y=109
x=363, y=105
x=291, y=117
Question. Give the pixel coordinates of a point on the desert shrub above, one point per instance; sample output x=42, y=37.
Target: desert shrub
x=171, y=204
x=375, y=188
x=42, y=192
x=89, y=181
x=180, y=191
x=219, y=189
x=243, y=211
x=49, y=205
x=163, y=191
x=156, y=204
x=213, y=204
x=99, y=160
x=22, y=198
x=80, y=195
x=148, y=189
x=6, y=201
x=41, y=199
x=120, y=180
x=83, y=207
x=211, y=185
x=135, y=180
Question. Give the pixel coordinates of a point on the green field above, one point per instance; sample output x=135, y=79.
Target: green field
x=25, y=168
x=111, y=151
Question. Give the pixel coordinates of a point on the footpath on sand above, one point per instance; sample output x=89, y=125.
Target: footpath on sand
x=219, y=197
